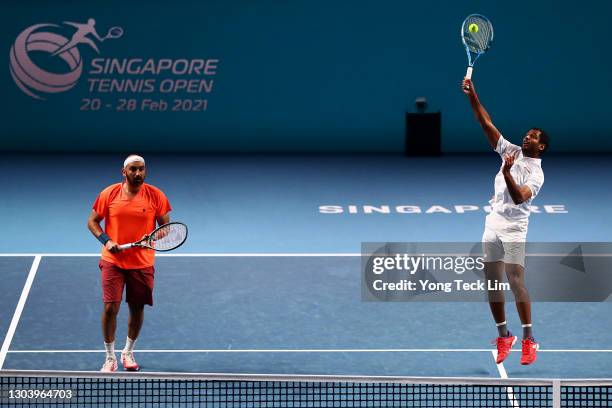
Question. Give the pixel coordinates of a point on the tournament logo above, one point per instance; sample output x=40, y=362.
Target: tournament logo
x=36, y=80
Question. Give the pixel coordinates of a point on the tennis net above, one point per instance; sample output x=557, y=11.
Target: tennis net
x=87, y=389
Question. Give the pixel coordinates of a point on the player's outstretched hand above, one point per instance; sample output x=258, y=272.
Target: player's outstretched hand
x=467, y=86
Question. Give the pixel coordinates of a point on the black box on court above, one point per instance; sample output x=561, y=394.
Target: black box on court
x=423, y=134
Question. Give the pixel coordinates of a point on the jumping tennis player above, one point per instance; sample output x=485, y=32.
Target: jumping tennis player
x=130, y=210
x=517, y=183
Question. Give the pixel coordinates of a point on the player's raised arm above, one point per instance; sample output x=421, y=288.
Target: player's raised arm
x=482, y=116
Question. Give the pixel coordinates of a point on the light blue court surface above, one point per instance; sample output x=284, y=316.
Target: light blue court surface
x=288, y=313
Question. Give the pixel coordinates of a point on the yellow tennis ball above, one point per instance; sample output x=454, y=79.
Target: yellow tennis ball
x=473, y=28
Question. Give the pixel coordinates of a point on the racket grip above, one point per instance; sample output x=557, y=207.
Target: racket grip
x=125, y=246
x=468, y=74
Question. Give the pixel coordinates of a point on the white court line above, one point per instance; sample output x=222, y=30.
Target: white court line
x=504, y=375
x=306, y=351
x=18, y=310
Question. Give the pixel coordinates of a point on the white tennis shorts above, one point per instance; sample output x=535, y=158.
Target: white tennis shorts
x=504, y=239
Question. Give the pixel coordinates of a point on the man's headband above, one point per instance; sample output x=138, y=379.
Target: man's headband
x=131, y=159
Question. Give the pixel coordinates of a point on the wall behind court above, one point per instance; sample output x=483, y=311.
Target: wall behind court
x=305, y=76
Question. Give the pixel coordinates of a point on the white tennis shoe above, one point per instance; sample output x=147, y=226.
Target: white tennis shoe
x=110, y=365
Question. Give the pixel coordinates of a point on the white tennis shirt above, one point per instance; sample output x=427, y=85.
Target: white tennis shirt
x=525, y=171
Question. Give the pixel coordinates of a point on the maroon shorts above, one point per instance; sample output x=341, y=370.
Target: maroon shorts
x=138, y=284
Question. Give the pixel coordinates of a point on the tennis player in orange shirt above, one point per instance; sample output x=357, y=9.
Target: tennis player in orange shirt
x=130, y=210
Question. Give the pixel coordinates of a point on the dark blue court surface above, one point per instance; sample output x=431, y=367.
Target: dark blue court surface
x=293, y=313
x=271, y=203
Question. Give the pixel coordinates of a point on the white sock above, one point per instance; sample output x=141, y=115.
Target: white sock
x=110, y=349
x=129, y=345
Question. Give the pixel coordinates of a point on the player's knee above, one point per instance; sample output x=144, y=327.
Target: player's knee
x=518, y=289
x=515, y=274
x=111, y=308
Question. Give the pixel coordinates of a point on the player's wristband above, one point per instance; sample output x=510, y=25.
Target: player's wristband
x=103, y=238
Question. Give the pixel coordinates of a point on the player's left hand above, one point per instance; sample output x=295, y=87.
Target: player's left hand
x=508, y=161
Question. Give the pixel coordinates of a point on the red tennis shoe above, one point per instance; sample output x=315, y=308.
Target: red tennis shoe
x=530, y=349
x=504, y=346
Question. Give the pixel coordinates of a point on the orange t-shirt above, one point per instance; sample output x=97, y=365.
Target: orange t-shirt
x=128, y=220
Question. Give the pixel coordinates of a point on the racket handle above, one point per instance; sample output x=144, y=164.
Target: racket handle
x=125, y=246
x=468, y=74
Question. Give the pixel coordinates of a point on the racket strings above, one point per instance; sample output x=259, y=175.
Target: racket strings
x=168, y=237
x=478, y=42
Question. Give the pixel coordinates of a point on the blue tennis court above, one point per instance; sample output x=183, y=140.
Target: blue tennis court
x=273, y=286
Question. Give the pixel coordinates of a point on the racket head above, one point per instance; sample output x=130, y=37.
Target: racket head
x=476, y=43
x=167, y=237
x=114, y=33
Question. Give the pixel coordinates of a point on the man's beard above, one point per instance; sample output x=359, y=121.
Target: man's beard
x=133, y=181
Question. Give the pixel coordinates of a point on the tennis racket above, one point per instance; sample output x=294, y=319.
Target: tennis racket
x=113, y=33
x=164, y=238
x=477, y=37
